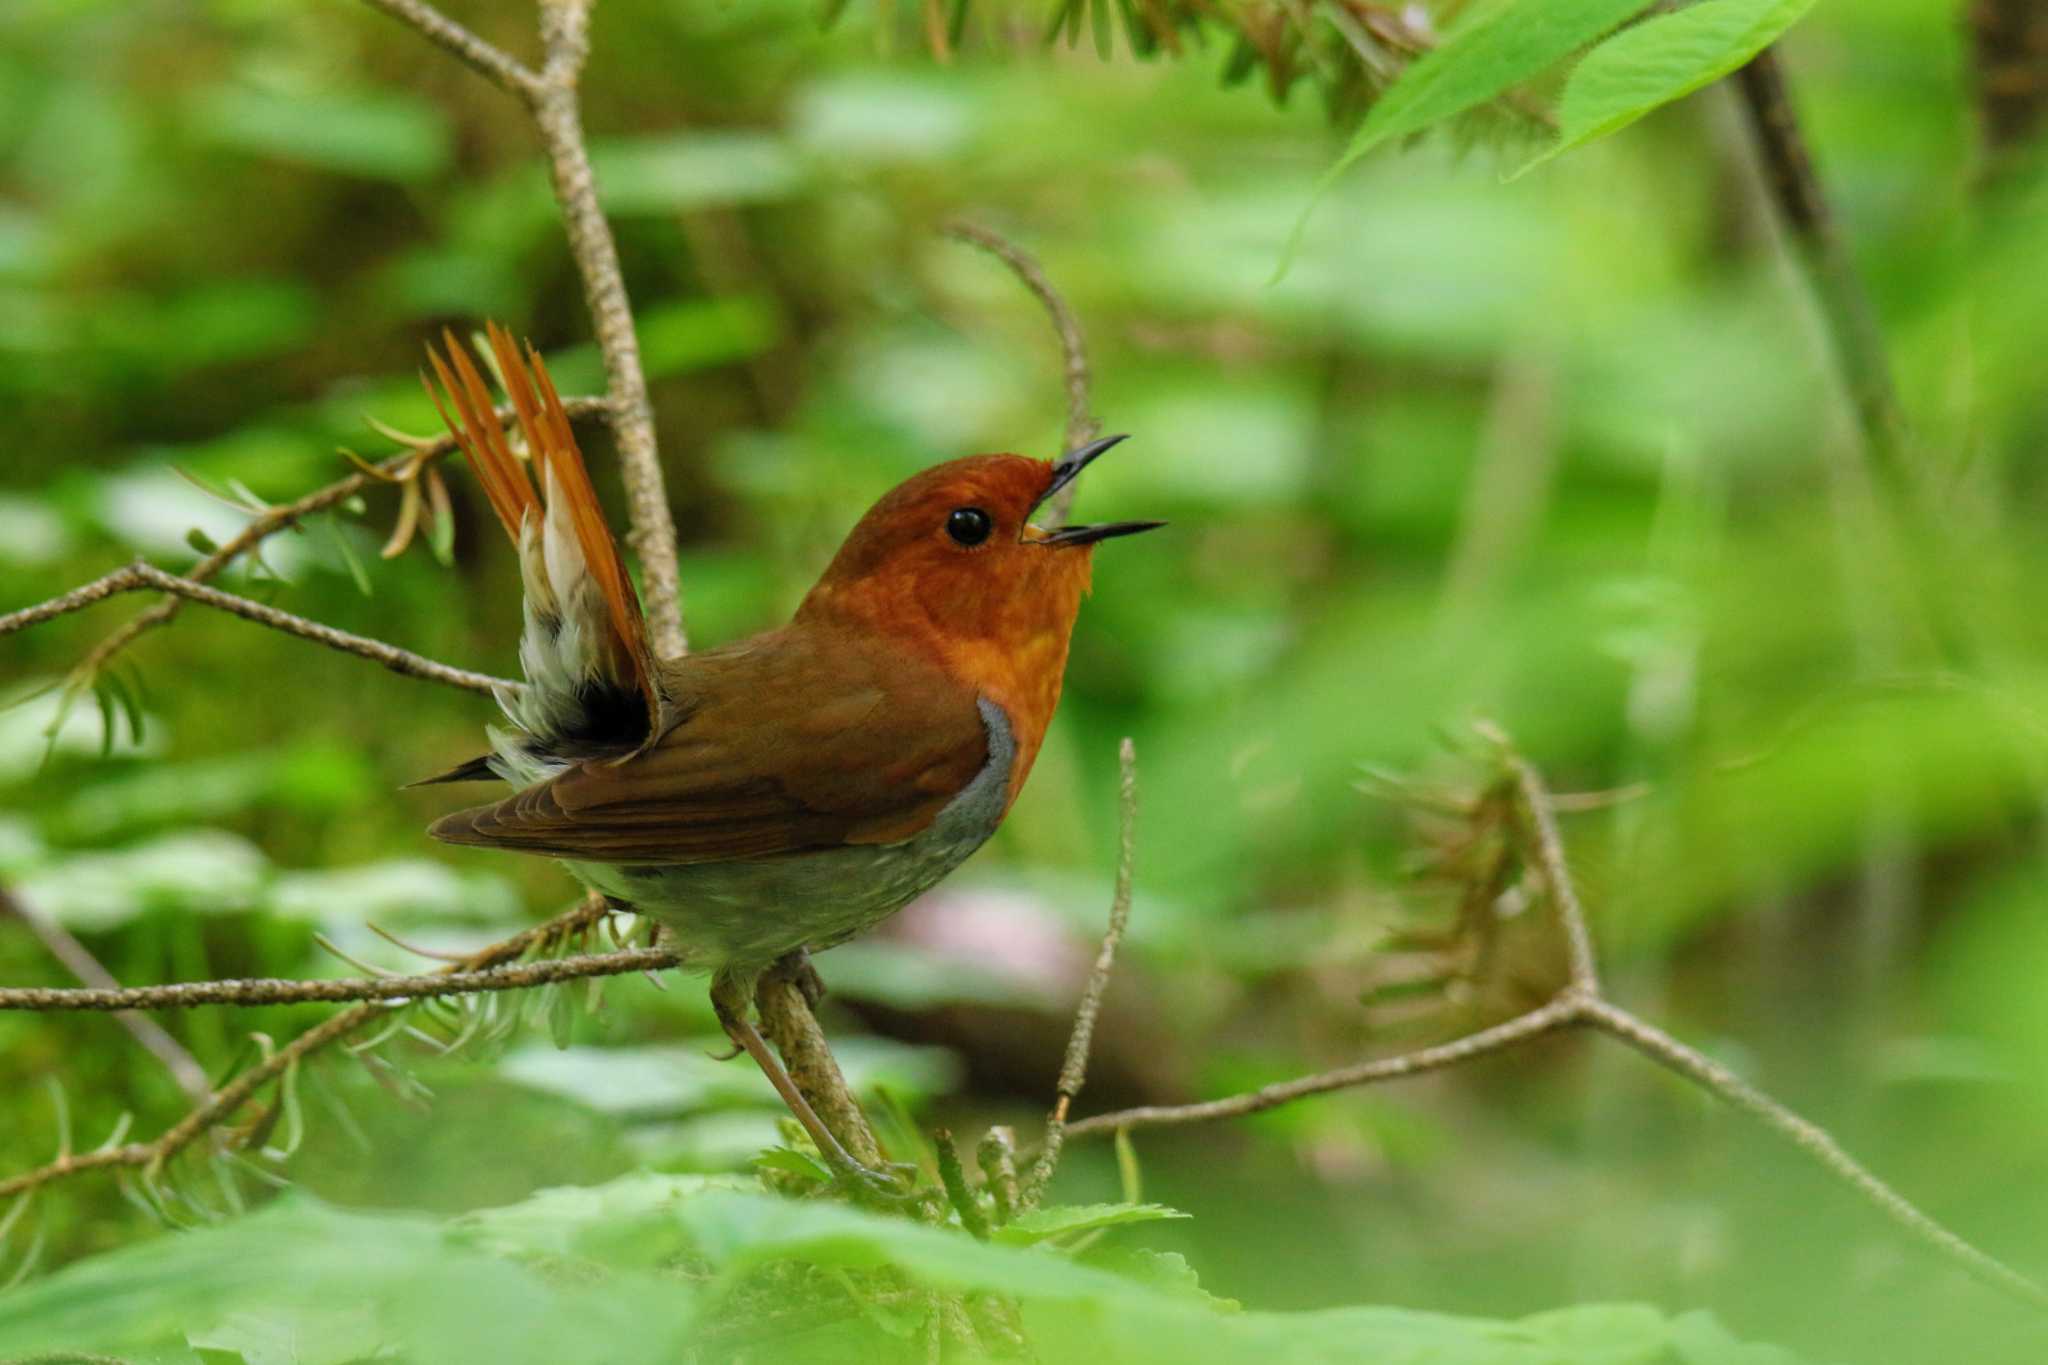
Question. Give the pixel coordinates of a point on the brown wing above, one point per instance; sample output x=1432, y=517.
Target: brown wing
x=794, y=740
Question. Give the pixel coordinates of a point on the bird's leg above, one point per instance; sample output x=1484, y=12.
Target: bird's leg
x=729, y=1000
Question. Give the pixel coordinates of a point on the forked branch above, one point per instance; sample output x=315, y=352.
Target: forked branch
x=1581, y=1004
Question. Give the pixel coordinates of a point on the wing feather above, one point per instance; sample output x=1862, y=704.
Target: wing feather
x=757, y=766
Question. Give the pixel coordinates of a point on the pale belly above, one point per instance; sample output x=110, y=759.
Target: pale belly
x=746, y=914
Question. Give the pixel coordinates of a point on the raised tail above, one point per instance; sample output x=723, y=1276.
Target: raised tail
x=590, y=684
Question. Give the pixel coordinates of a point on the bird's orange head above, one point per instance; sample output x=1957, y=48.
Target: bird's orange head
x=949, y=564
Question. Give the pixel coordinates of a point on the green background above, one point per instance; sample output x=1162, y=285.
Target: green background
x=1564, y=450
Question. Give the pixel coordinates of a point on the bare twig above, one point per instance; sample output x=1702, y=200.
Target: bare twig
x=1074, y=1069
x=140, y=577
x=286, y=515
x=1810, y=1138
x=224, y=1104
x=79, y=961
x=1844, y=306
x=279, y=991
x=1082, y=426
x=496, y=65
x=1544, y=1019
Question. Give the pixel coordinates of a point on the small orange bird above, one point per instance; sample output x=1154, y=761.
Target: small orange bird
x=785, y=792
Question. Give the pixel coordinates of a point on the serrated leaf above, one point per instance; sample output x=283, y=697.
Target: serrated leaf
x=1059, y=1220
x=1661, y=60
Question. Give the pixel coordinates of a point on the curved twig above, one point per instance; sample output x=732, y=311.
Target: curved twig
x=1082, y=425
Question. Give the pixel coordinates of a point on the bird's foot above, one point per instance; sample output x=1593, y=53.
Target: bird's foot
x=796, y=969
x=893, y=1187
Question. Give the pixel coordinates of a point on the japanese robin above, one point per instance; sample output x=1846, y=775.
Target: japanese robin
x=789, y=791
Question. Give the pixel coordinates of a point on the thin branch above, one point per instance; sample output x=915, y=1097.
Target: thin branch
x=279, y=991
x=558, y=116
x=551, y=97
x=494, y=64
x=1559, y=1013
x=79, y=961
x=1661, y=1048
x=1074, y=1069
x=1845, y=308
x=1082, y=426
x=286, y=515
x=140, y=577
x=236, y=1093
x=1536, y=809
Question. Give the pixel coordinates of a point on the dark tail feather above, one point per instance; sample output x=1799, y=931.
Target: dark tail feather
x=476, y=770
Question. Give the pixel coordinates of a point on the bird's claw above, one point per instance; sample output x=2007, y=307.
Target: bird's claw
x=894, y=1186
x=796, y=968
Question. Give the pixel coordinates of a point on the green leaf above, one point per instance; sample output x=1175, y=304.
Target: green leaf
x=793, y=1162
x=1061, y=1219
x=739, y=1232
x=1661, y=60
x=299, y=1266
x=1495, y=47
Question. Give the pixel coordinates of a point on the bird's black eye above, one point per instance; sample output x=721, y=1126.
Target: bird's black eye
x=968, y=525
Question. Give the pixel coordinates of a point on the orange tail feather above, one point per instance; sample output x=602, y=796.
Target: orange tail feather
x=563, y=477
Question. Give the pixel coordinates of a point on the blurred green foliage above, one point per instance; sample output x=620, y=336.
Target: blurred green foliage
x=1566, y=450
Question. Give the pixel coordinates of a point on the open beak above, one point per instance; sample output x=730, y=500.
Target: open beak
x=1065, y=471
